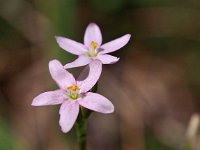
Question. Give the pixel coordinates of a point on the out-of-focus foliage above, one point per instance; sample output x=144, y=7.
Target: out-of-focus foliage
x=155, y=86
x=7, y=140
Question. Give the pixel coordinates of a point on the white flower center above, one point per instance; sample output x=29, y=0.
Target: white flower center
x=73, y=92
x=92, y=52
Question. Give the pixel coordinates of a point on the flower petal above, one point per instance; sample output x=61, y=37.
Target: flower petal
x=62, y=77
x=70, y=45
x=80, y=61
x=84, y=73
x=68, y=114
x=95, y=69
x=49, y=98
x=115, y=44
x=92, y=34
x=97, y=103
x=107, y=59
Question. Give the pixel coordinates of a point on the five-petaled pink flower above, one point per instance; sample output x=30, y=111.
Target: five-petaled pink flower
x=73, y=93
x=92, y=48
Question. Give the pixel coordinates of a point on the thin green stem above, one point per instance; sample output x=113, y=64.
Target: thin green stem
x=81, y=133
x=81, y=124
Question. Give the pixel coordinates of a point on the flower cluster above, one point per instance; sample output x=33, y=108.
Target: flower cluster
x=75, y=93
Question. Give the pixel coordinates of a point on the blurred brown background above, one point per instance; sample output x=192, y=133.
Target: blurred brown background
x=154, y=87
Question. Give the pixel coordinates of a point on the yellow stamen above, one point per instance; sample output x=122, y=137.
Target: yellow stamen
x=94, y=45
x=73, y=88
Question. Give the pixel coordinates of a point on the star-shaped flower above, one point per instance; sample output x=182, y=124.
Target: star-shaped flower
x=72, y=94
x=92, y=48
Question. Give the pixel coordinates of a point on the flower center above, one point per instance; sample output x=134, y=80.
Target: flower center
x=73, y=92
x=93, y=49
x=94, y=45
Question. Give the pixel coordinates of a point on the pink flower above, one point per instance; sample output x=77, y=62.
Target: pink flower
x=92, y=48
x=71, y=94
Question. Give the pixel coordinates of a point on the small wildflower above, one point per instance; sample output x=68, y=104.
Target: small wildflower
x=72, y=94
x=92, y=49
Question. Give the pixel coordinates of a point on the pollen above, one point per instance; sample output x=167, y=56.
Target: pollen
x=94, y=45
x=73, y=92
x=73, y=88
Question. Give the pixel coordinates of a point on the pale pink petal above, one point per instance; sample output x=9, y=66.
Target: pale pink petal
x=107, y=59
x=92, y=34
x=49, y=98
x=95, y=69
x=84, y=73
x=115, y=44
x=96, y=102
x=80, y=61
x=68, y=114
x=71, y=46
x=62, y=77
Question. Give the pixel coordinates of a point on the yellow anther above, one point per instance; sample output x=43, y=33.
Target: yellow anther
x=73, y=88
x=94, y=45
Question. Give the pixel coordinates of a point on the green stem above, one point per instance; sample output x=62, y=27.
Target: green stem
x=81, y=124
x=81, y=130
